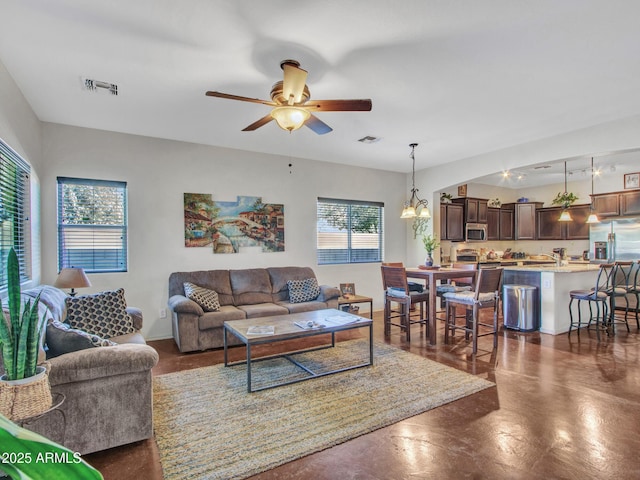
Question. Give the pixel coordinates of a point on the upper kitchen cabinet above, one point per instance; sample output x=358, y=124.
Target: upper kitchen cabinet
x=500, y=223
x=524, y=219
x=617, y=203
x=549, y=228
x=630, y=203
x=475, y=209
x=607, y=204
x=451, y=222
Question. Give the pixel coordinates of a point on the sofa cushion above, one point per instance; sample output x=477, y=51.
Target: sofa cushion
x=206, y=298
x=281, y=275
x=263, y=310
x=217, y=280
x=251, y=286
x=215, y=319
x=61, y=339
x=304, y=306
x=303, y=290
x=104, y=314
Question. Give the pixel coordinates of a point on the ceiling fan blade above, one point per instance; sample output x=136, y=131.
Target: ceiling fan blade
x=259, y=123
x=317, y=125
x=359, y=105
x=242, y=99
x=294, y=81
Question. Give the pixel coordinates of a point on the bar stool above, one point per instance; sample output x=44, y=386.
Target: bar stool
x=634, y=287
x=619, y=288
x=396, y=290
x=597, y=296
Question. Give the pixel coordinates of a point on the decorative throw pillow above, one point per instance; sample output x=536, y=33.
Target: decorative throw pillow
x=61, y=339
x=104, y=314
x=207, y=299
x=303, y=290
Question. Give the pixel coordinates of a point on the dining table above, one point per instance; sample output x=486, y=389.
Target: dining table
x=432, y=276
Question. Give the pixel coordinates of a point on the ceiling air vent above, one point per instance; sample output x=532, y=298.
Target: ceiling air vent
x=369, y=139
x=100, y=87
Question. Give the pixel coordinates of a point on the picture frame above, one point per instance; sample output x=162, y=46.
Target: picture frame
x=347, y=289
x=631, y=180
x=462, y=190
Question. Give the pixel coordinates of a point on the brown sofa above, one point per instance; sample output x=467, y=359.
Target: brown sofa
x=249, y=293
x=108, y=390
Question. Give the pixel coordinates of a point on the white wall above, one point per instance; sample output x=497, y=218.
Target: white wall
x=21, y=130
x=158, y=172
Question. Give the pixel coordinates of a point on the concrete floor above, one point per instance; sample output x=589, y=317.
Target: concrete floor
x=563, y=408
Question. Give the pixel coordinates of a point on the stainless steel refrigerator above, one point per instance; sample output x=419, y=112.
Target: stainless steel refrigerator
x=612, y=240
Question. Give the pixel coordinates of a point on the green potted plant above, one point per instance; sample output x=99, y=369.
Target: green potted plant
x=24, y=387
x=564, y=199
x=27, y=456
x=430, y=244
x=445, y=197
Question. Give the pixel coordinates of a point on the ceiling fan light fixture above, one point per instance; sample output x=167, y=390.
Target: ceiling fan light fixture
x=290, y=118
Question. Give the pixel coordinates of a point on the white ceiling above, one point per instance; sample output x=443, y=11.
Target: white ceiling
x=458, y=77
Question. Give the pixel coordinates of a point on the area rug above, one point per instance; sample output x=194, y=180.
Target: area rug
x=208, y=427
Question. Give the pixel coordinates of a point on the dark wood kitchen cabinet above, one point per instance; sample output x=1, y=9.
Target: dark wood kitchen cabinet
x=475, y=209
x=500, y=223
x=524, y=219
x=451, y=222
x=607, y=204
x=549, y=228
x=630, y=203
x=507, y=224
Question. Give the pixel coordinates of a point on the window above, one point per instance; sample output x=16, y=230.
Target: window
x=92, y=225
x=14, y=210
x=349, y=231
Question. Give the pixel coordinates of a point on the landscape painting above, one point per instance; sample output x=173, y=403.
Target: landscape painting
x=227, y=227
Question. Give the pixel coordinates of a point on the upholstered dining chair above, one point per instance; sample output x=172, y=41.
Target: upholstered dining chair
x=597, y=296
x=486, y=294
x=396, y=291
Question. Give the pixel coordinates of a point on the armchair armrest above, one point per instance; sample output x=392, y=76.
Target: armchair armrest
x=136, y=316
x=101, y=362
x=328, y=293
x=181, y=304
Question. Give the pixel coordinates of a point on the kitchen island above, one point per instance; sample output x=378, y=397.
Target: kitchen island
x=554, y=284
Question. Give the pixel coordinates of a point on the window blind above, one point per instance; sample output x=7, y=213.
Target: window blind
x=92, y=225
x=349, y=231
x=14, y=210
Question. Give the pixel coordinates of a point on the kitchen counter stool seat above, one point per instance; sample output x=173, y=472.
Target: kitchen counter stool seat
x=396, y=290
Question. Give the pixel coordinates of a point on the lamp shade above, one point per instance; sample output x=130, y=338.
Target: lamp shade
x=593, y=218
x=565, y=216
x=290, y=118
x=72, y=278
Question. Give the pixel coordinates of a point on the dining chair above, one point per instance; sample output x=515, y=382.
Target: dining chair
x=486, y=294
x=396, y=290
x=597, y=296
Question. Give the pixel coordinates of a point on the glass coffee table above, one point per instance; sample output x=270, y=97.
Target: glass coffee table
x=289, y=327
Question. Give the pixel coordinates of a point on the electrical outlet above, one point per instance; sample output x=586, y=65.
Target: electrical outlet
x=546, y=284
x=163, y=313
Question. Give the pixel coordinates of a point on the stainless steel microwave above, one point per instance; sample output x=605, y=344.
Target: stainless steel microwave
x=475, y=232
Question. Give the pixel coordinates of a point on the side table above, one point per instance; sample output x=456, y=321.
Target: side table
x=58, y=400
x=351, y=299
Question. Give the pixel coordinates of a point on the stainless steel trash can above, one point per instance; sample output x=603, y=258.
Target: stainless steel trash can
x=520, y=307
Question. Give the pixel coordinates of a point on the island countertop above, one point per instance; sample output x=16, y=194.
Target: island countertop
x=553, y=284
x=571, y=268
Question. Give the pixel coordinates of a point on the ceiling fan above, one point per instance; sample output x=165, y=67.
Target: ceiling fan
x=291, y=104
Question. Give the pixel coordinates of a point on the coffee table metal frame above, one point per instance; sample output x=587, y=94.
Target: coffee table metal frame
x=285, y=329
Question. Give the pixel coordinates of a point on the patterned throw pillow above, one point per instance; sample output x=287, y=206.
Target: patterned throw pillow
x=103, y=314
x=303, y=290
x=207, y=299
x=63, y=339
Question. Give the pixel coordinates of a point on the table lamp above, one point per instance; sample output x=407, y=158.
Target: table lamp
x=72, y=278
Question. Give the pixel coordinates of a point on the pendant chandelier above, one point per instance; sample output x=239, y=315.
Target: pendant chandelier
x=593, y=217
x=565, y=216
x=416, y=208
